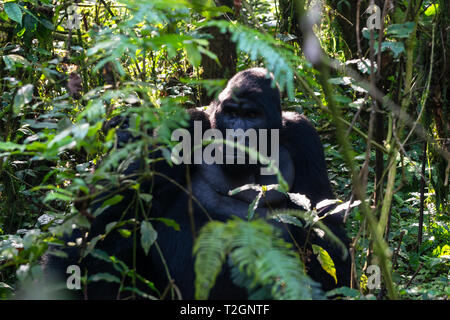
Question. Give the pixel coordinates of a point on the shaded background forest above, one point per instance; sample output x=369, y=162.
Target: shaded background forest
x=378, y=98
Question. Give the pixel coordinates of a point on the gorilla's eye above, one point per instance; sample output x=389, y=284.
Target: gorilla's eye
x=252, y=114
x=231, y=111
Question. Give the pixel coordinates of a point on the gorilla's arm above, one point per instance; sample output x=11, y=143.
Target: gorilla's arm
x=301, y=146
x=311, y=179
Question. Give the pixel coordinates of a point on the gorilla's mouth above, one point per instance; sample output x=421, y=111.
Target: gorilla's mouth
x=235, y=155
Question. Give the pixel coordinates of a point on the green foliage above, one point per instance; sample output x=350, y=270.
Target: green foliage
x=13, y=11
x=257, y=251
x=325, y=260
x=55, y=152
x=277, y=57
x=148, y=235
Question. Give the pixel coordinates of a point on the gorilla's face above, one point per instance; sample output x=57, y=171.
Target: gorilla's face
x=248, y=103
x=241, y=113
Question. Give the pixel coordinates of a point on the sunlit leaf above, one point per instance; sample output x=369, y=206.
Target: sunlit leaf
x=23, y=96
x=300, y=200
x=325, y=261
x=169, y=222
x=432, y=10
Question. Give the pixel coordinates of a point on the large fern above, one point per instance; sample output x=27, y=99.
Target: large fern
x=210, y=248
x=258, y=252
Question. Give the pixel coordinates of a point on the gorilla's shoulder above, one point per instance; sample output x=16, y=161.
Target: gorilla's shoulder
x=199, y=114
x=291, y=118
x=295, y=124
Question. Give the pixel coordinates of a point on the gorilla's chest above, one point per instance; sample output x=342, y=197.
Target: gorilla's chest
x=211, y=186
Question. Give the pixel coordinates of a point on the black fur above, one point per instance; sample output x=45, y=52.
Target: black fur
x=249, y=88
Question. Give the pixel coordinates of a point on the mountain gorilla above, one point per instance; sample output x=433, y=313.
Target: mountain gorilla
x=249, y=101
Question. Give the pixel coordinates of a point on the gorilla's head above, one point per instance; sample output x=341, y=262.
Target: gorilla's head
x=250, y=101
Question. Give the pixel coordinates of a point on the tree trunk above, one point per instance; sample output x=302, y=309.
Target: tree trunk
x=222, y=46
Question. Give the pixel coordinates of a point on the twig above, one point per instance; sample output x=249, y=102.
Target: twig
x=380, y=37
x=427, y=87
x=190, y=207
x=358, y=37
x=414, y=275
x=348, y=155
x=395, y=254
x=107, y=8
x=310, y=91
x=422, y=197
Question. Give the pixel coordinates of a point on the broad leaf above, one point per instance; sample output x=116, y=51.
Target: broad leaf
x=104, y=277
x=23, y=96
x=13, y=11
x=401, y=30
x=148, y=235
x=325, y=261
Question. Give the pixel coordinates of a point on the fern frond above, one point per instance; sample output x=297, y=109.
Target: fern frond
x=210, y=250
x=283, y=268
x=257, y=251
x=311, y=218
x=262, y=255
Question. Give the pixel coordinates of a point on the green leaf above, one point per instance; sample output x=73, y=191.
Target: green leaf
x=249, y=186
x=91, y=245
x=104, y=277
x=193, y=54
x=110, y=226
x=13, y=11
x=112, y=201
x=124, y=233
x=284, y=186
x=396, y=47
x=344, y=206
x=59, y=254
x=107, y=203
x=5, y=286
x=57, y=196
x=41, y=124
x=12, y=60
x=46, y=23
x=252, y=207
x=210, y=250
x=148, y=235
x=10, y=146
x=287, y=218
x=169, y=222
x=345, y=291
x=141, y=293
x=146, y=197
x=325, y=261
x=401, y=30
x=432, y=10
x=23, y=96
x=256, y=250
x=80, y=130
